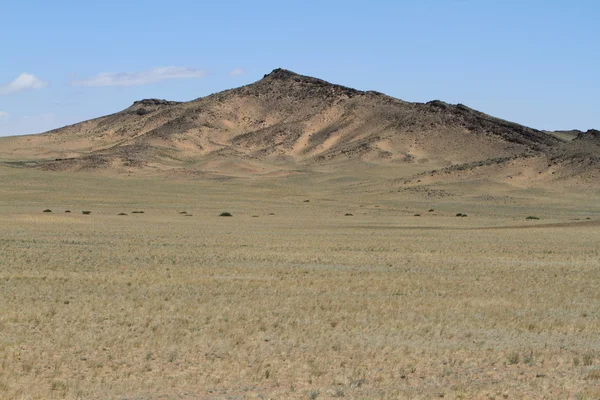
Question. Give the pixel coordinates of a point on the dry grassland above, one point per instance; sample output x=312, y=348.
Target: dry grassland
x=304, y=304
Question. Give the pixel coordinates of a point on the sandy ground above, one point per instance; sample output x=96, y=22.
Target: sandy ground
x=306, y=303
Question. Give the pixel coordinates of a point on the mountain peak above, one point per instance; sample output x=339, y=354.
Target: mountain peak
x=155, y=102
x=285, y=75
x=281, y=73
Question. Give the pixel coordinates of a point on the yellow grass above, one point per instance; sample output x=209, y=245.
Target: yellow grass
x=306, y=303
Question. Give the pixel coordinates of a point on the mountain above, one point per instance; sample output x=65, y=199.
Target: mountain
x=283, y=119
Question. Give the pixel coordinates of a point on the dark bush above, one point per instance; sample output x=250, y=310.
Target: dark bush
x=417, y=215
x=225, y=214
x=47, y=210
x=86, y=212
x=459, y=215
x=67, y=211
x=532, y=217
x=431, y=210
x=137, y=212
x=348, y=215
x=121, y=214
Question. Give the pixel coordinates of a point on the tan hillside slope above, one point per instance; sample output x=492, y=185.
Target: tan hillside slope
x=283, y=118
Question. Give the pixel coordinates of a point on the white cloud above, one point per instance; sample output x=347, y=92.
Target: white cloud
x=141, y=78
x=24, y=81
x=4, y=115
x=237, y=72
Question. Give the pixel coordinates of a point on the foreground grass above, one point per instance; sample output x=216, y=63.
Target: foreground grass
x=302, y=304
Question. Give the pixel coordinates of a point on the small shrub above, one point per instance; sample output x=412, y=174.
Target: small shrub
x=339, y=392
x=58, y=385
x=431, y=210
x=348, y=215
x=532, y=217
x=225, y=214
x=417, y=215
x=137, y=212
x=67, y=211
x=307, y=201
x=588, y=359
x=459, y=215
x=464, y=215
x=86, y=212
x=513, y=358
x=47, y=210
x=182, y=212
x=271, y=213
x=121, y=214
x=188, y=215
x=529, y=359
x=255, y=216
x=356, y=383
x=313, y=394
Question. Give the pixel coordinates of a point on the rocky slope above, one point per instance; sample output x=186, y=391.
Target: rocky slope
x=284, y=118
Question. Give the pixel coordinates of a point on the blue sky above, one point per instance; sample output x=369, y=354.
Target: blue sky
x=530, y=61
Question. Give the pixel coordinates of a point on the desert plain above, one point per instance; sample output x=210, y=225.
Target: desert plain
x=290, y=297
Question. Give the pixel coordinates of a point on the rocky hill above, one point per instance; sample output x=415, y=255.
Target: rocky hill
x=284, y=118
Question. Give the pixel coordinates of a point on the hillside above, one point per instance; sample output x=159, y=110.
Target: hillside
x=285, y=119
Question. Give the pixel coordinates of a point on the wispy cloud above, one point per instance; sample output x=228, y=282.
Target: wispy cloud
x=237, y=72
x=153, y=75
x=4, y=115
x=24, y=81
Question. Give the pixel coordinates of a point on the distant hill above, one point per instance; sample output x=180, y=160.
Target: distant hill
x=283, y=119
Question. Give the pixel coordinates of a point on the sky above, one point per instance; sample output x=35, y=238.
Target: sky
x=535, y=62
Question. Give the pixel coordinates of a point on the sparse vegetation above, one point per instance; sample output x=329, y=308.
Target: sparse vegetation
x=114, y=308
x=529, y=359
x=593, y=375
x=532, y=217
x=225, y=214
x=122, y=214
x=137, y=212
x=459, y=215
x=86, y=212
x=348, y=215
x=47, y=210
